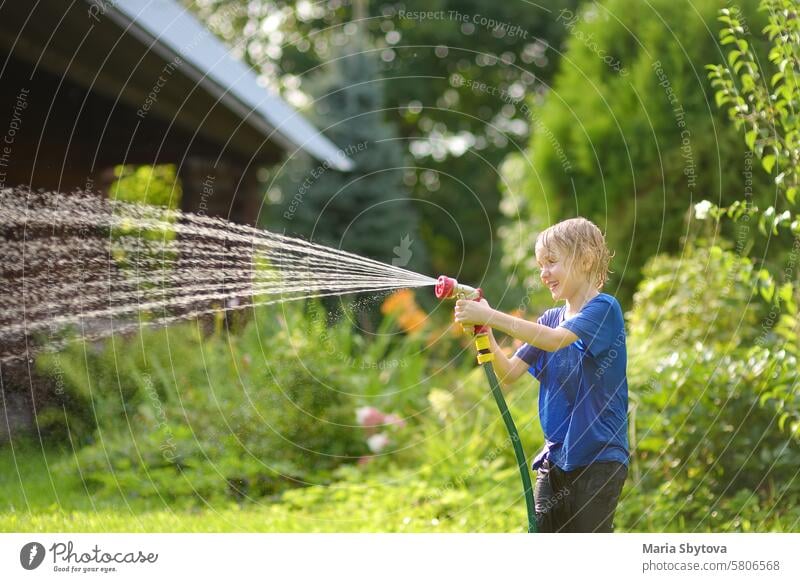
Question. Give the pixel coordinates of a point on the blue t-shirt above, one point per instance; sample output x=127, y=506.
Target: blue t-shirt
x=583, y=387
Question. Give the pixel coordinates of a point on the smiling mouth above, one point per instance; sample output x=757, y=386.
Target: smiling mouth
x=553, y=286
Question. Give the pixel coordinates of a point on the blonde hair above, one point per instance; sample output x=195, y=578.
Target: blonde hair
x=582, y=241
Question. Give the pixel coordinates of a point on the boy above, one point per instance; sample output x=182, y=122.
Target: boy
x=578, y=354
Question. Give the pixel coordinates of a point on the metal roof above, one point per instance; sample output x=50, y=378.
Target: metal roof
x=168, y=28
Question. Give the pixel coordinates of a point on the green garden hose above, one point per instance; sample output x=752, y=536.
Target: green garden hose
x=449, y=288
x=515, y=441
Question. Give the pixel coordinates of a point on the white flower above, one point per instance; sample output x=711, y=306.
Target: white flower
x=701, y=209
x=377, y=442
x=441, y=402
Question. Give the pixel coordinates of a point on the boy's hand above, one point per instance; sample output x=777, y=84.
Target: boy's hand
x=468, y=312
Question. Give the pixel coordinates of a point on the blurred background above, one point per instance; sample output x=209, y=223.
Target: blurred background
x=441, y=137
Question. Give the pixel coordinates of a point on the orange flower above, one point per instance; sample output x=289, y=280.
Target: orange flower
x=398, y=302
x=412, y=320
x=402, y=305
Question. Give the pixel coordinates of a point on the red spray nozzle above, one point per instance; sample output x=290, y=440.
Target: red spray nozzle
x=444, y=287
x=449, y=288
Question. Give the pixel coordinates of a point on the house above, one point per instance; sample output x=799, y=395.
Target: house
x=92, y=84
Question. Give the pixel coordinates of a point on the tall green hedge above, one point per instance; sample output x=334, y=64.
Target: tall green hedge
x=629, y=135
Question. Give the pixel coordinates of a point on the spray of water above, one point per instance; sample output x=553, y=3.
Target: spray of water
x=79, y=265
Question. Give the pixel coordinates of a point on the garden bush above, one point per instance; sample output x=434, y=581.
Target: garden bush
x=178, y=414
x=628, y=136
x=715, y=442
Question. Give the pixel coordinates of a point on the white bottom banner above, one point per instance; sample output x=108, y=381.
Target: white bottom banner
x=399, y=557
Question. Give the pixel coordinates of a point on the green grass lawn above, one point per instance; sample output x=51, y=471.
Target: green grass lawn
x=38, y=499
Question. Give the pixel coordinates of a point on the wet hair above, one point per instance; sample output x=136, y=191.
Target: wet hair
x=583, y=244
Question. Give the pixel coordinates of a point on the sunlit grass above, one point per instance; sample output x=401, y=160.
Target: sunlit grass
x=37, y=499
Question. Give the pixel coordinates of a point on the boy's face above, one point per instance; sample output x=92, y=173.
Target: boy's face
x=558, y=273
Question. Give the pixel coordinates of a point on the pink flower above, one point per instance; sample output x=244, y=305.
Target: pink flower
x=395, y=420
x=368, y=416
x=377, y=442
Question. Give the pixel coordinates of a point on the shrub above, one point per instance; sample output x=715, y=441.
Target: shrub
x=630, y=151
x=711, y=451
x=178, y=414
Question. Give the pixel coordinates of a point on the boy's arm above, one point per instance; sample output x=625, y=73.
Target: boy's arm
x=546, y=338
x=480, y=313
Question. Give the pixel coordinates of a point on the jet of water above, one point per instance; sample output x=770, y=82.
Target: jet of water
x=80, y=265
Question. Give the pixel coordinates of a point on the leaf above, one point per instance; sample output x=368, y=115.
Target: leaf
x=790, y=194
x=768, y=162
x=767, y=290
x=762, y=221
x=748, y=85
x=750, y=138
x=786, y=291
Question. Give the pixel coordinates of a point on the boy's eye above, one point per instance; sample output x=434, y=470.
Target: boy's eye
x=549, y=260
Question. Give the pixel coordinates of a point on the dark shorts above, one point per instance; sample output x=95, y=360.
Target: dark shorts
x=579, y=501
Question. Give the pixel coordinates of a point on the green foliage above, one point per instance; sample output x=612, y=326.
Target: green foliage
x=179, y=416
x=367, y=211
x=460, y=435
x=762, y=102
x=764, y=105
x=715, y=339
x=715, y=418
x=450, y=472
x=630, y=151
x=675, y=305
x=453, y=472
x=155, y=185
x=767, y=112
